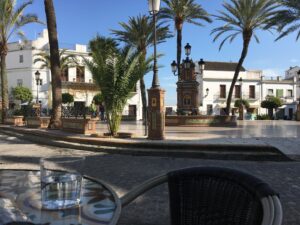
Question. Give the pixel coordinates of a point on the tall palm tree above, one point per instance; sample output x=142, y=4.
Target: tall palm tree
x=138, y=33
x=288, y=19
x=55, y=121
x=243, y=17
x=12, y=20
x=116, y=72
x=181, y=11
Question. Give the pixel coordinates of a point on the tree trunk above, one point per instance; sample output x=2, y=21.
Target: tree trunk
x=246, y=37
x=144, y=98
x=4, y=88
x=179, y=40
x=143, y=87
x=55, y=65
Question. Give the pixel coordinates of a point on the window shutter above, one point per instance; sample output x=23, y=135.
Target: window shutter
x=279, y=93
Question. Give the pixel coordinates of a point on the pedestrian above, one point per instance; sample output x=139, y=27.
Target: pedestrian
x=102, y=111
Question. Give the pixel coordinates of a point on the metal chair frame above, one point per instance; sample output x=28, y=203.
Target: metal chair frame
x=272, y=209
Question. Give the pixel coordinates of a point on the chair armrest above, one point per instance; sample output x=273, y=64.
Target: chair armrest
x=142, y=188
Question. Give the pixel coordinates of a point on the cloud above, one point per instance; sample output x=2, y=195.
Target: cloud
x=294, y=60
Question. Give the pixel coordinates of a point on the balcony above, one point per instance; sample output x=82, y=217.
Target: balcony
x=246, y=96
x=79, y=85
x=287, y=100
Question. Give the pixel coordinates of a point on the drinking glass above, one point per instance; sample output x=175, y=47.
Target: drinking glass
x=61, y=180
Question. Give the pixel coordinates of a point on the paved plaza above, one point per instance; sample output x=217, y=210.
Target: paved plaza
x=123, y=172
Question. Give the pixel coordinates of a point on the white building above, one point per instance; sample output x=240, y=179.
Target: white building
x=215, y=83
x=77, y=81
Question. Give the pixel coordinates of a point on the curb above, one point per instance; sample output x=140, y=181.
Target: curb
x=153, y=148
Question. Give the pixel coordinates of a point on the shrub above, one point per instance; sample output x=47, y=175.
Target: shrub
x=271, y=102
x=22, y=93
x=98, y=99
x=263, y=117
x=239, y=102
x=67, y=98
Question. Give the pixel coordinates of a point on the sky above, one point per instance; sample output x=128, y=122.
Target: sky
x=78, y=21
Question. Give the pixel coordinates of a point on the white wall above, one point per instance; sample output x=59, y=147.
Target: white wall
x=26, y=72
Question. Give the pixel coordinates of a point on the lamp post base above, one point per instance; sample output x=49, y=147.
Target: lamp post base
x=156, y=114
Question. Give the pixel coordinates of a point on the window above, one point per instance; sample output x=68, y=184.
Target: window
x=251, y=91
x=80, y=74
x=21, y=58
x=237, y=91
x=187, y=100
x=19, y=82
x=132, y=110
x=289, y=93
x=65, y=74
x=279, y=93
x=222, y=91
x=209, y=109
x=270, y=92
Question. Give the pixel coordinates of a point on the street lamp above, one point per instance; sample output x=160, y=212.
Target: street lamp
x=38, y=82
x=156, y=95
x=154, y=9
x=207, y=91
x=201, y=64
x=186, y=62
x=187, y=49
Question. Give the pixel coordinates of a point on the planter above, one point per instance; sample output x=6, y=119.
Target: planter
x=14, y=120
x=37, y=122
x=201, y=121
x=119, y=135
x=79, y=125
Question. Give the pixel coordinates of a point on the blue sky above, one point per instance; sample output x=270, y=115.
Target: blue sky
x=79, y=21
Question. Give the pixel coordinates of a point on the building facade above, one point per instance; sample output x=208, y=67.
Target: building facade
x=214, y=84
x=76, y=80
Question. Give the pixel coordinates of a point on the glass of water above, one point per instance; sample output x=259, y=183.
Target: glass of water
x=61, y=179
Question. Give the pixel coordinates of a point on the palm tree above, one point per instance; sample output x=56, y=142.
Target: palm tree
x=138, y=33
x=66, y=60
x=290, y=15
x=181, y=11
x=12, y=20
x=55, y=121
x=243, y=17
x=116, y=72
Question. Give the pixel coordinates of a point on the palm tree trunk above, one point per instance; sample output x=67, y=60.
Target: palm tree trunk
x=144, y=98
x=4, y=88
x=55, y=65
x=143, y=87
x=179, y=40
x=246, y=38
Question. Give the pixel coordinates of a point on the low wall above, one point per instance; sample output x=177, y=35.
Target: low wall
x=201, y=120
x=79, y=125
x=37, y=122
x=15, y=121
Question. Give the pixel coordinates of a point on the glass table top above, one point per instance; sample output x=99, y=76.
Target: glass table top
x=100, y=204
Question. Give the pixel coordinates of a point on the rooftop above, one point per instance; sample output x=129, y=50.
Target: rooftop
x=222, y=66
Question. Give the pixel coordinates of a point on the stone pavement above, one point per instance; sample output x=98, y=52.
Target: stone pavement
x=247, y=136
x=123, y=172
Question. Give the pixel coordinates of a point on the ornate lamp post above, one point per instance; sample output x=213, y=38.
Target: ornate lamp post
x=186, y=62
x=201, y=64
x=156, y=105
x=38, y=82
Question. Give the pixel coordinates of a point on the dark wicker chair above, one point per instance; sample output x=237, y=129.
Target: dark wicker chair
x=215, y=196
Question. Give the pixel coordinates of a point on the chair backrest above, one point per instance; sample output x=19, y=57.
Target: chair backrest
x=216, y=196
